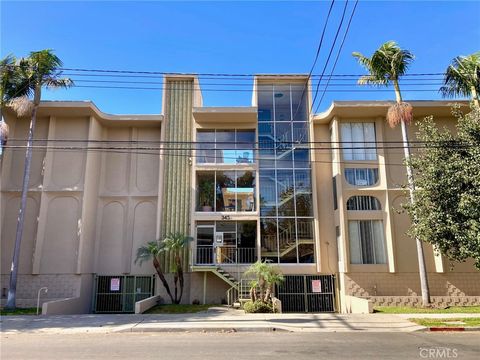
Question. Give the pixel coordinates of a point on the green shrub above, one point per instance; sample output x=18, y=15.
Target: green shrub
x=257, y=307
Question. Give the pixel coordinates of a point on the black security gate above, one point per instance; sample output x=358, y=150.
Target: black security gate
x=307, y=293
x=118, y=293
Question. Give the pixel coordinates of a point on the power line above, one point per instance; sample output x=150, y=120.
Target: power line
x=338, y=55
x=242, y=90
x=330, y=54
x=351, y=163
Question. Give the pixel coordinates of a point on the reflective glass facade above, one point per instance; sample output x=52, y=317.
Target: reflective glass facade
x=286, y=208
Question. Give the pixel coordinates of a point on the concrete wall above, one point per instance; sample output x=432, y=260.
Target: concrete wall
x=87, y=211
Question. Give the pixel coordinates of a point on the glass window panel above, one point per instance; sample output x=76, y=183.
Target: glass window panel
x=303, y=203
x=287, y=244
x=379, y=242
x=302, y=181
x=363, y=203
x=284, y=158
x=367, y=242
x=205, y=191
x=300, y=132
x=265, y=102
x=354, y=237
x=205, y=236
x=266, y=144
x=361, y=177
x=357, y=140
x=285, y=193
x=306, y=253
x=299, y=102
x=245, y=191
x=302, y=158
x=305, y=230
x=369, y=136
x=245, y=145
x=205, y=147
x=268, y=195
x=283, y=135
x=225, y=191
x=268, y=236
x=246, y=234
x=282, y=102
x=225, y=144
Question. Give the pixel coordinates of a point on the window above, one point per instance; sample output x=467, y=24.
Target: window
x=361, y=177
x=363, y=203
x=358, y=141
x=366, y=242
x=225, y=191
x=225, y=146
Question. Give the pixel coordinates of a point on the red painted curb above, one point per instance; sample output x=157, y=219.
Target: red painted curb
x=447, y=329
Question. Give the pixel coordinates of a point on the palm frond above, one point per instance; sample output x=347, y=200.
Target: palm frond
x=22, y=106
x=399, y=112
x=461, y=76
x=147, y=251
x=55, y=83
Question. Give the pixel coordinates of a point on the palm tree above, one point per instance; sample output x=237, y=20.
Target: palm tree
x=152, y=250
x=175, y=243
x=267, y=276
x=462, y=78
x=39, y=69
x=12, y=87
x=385, y=68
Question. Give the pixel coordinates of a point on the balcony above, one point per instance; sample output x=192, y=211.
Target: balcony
x=224, y=255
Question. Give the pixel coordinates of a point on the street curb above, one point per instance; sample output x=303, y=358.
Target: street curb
x=454, y=329
x=204, y=329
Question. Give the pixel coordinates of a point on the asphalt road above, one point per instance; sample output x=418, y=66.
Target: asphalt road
x=233, y=346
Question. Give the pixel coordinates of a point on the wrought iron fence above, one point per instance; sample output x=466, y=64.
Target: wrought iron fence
x=208, y=255
x=118, y=293
x=307, y=293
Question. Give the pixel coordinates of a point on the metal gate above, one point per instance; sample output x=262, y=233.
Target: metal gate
x=118, y=293
x=307, y=293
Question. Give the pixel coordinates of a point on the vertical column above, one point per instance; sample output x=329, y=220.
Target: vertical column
x=387, y=218
x=89, y=204
x=42, y=214
x=176, y=187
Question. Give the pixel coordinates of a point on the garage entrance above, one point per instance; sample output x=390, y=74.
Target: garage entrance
x=118, y=293
x=307, y=293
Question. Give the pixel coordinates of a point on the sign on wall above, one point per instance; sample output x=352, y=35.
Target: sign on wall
x=115, y=284
x=316, y=286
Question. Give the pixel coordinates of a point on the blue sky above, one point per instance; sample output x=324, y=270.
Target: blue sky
x=230, y=37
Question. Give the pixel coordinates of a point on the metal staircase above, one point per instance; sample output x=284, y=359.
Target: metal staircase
x=239, y=290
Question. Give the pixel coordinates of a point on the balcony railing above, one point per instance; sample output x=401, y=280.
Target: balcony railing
x=224, y=255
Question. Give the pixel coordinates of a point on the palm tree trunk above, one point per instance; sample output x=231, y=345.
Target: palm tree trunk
x=180, y=277
x=159, y=270
x=411, y=188
x=175, y=281
x=475, y=96
x=12, y=290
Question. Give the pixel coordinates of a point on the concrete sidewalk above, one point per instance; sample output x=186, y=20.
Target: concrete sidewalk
x=213, y=320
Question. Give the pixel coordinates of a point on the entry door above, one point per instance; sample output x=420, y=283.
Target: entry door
x=205, y=243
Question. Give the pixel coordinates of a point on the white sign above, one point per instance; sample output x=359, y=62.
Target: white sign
x=219, y=238
x=316, y=286
x=115, y=284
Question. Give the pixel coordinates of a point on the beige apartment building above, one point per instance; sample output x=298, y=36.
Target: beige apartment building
x=318, y=195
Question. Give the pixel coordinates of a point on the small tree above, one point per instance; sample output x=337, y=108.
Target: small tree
x=152, y=250
x=172, y=243
x=267, y=276
x=175, y=243
x=447, y=175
